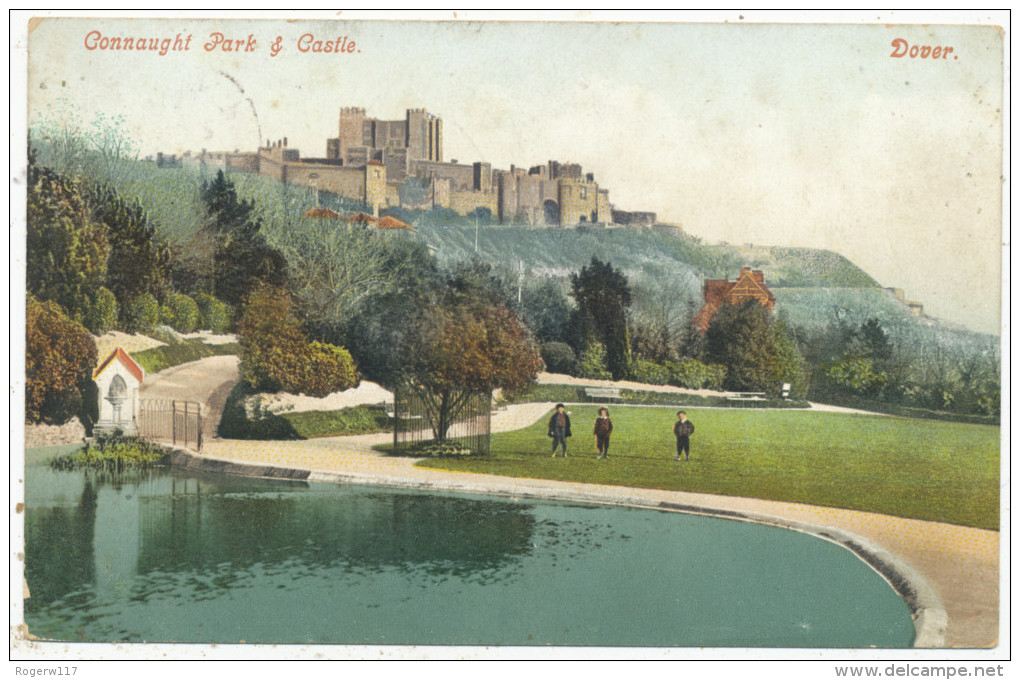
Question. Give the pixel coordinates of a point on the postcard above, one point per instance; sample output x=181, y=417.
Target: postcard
x=509, y=336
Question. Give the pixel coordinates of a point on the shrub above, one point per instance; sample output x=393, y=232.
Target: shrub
x=141, y=313
x=181, y=313
x=439, y=449
x=247, y=418
x=276, y=355
x=346, y=421
x=559, y=357
x=858, y=376
x=213, y=315
x=60, y=356
x=114, y=451
x=101, y=312
x=649, y=372
x=328, y=368
x=592, y=363
x=695, y=375
x=164, y=333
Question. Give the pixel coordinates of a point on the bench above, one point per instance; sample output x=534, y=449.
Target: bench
x=746, y=399
x=391, y=413
x=602, y=393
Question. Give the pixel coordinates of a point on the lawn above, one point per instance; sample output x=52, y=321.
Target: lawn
x=946, y=472
x=167, y=356
x=348, y=421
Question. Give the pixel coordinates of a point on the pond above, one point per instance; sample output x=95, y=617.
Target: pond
x=169, y=556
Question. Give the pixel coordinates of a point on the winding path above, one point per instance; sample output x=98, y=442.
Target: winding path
x=207, y=381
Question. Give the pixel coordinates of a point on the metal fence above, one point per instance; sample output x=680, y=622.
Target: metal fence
x=171, y=420
x=412, y=424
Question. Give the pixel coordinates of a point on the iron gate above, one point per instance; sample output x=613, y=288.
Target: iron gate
x=171, y=420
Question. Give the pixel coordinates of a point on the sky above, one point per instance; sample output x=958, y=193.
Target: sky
x=806, y=135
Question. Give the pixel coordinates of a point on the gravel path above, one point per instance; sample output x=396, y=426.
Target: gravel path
x=207, y=381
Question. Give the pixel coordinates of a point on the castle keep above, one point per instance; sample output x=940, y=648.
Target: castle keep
x=399, y=163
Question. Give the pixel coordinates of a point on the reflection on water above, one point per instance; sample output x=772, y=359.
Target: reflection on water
x=168, y=556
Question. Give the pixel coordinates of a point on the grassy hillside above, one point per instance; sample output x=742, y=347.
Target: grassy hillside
x=556, y=251
x=171, y=196
x=814, y=308
x=810, y=285
x=792, y=267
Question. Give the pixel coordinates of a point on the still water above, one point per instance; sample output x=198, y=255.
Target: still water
x=173, y=556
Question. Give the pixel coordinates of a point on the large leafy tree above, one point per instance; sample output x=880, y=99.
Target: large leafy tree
x=60, y=356
x=603, y=295
x=464, y=347
x=277, y=356
x=343, y=266
x=243, y=259
x=67, y=249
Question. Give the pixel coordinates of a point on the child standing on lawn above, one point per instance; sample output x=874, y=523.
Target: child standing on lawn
x=683, y=431
x=603, y=428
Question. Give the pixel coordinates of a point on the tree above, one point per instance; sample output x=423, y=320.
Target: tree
x=60, y=356
x=756, y=355
x=872, y=342
x=140, y=261
x=243, y=259
x=547, y=310
x=790, y=365
x=276, y=355
x=603, y=294
x=67, y=249
x=101, y=313
x=592, y=362
x=459, y=349
x=99, y=150
x=661, y=314
x=341, y=266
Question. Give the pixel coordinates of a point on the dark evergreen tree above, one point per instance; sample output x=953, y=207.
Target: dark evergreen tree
x=243, y=259
x=759, y=354
x=140, y=260
x=872, y=342
x=603, y=294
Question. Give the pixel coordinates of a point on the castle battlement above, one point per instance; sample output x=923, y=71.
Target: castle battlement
x=372, y=160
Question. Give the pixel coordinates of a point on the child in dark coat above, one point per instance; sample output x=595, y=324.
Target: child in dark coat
x=603, y=428
x=559, y=429
x=683, y=431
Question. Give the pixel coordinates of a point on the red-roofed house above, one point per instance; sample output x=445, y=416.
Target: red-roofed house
x=118, y=378
x=750, y=285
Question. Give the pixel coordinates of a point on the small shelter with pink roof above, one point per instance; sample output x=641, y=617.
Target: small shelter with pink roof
x=118, y=378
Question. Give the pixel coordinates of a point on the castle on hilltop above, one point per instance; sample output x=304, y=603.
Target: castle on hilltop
x=399, y=163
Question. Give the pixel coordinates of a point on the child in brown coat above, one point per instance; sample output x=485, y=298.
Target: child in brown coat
x=603, y=428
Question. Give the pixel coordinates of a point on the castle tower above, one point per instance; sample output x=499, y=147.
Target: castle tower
x=352, y=126
x=424, y=136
